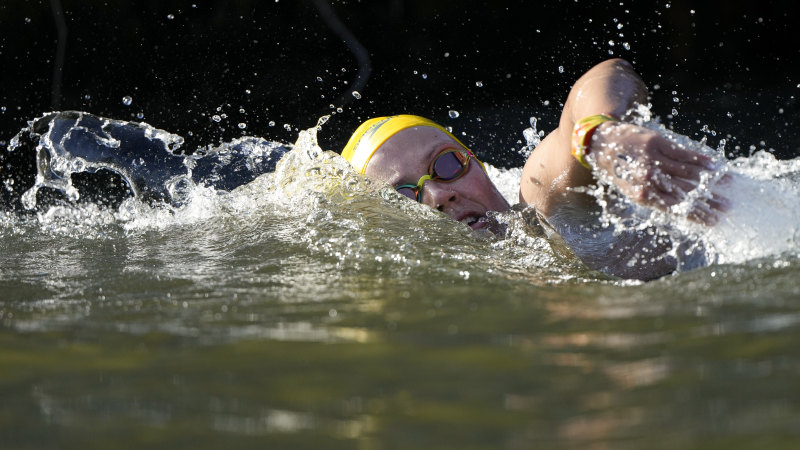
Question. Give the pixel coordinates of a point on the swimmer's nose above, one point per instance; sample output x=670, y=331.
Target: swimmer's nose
x=440, y=195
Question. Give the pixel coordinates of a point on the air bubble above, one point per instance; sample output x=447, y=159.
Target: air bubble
x=170, y=16
x=560, y=69
x=453, y=114
x=271, y=123
x=127, y=100
x=242, y=125
x=216, y=118
x=357, y=95
x=479, y=83
x=287, y=127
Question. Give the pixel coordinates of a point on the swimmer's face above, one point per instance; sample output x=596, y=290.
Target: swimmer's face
x=407, y=155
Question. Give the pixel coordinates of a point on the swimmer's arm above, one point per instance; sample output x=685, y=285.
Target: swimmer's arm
x=611, y=87
x=643, y=164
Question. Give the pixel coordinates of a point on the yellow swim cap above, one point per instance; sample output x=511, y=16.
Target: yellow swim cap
x=374, y=132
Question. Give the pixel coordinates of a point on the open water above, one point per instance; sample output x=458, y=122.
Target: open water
x=312, y=308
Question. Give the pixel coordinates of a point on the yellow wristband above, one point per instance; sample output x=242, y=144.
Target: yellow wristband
x=582, y=133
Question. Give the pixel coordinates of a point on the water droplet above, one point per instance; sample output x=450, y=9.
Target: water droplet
x=127, y=100
x=453, y=114
x=357, y=95
x=242, y=125
x=479, y=83
x=170, y=16
x=216, y=118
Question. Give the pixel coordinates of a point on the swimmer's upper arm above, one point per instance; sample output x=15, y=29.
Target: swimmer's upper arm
x=611, y=87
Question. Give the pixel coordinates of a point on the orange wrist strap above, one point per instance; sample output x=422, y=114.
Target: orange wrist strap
x=582, y=134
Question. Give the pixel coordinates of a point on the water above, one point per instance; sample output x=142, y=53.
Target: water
x=312, y=308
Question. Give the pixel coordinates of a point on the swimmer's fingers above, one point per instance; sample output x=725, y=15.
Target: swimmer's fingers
x=719, y=203
x=703, y=214
x=686, y=170
x=677, y=154
x=659, y=191
x=672, y=191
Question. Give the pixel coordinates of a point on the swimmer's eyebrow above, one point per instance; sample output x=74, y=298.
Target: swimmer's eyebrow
x=433, y=150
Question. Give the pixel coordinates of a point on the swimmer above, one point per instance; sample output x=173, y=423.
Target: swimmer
x=426, y=163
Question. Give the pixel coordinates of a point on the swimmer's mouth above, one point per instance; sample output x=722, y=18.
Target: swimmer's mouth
x=474, y=221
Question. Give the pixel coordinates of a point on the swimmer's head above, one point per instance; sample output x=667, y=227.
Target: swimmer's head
x=370, y=135
x=413, y=152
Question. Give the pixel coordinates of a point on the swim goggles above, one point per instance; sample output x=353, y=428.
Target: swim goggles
x=447, y=167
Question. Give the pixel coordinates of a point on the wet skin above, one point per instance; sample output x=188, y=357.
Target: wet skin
x=407, y=155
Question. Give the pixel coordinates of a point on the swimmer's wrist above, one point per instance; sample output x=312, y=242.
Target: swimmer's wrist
x=582, y=135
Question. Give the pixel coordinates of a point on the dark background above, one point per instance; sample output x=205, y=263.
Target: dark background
x=730, y=66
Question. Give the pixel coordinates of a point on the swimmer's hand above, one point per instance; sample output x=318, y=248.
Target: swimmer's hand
x=653, y=171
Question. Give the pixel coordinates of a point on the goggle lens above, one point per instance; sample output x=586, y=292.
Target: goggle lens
x=408, y=191
x=449, y=166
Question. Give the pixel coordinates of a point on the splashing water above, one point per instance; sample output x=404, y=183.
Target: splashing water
x=764, y=217
x=336, y=213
